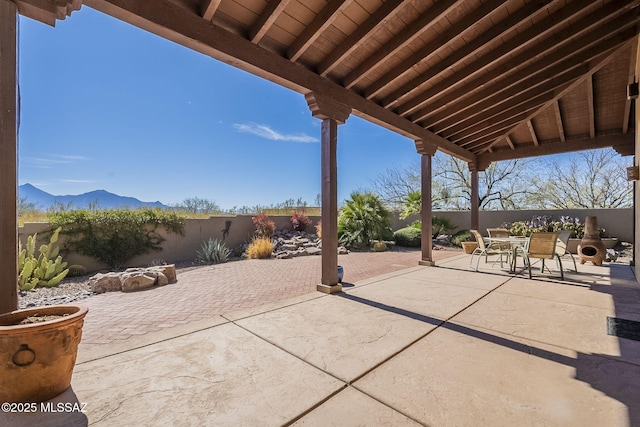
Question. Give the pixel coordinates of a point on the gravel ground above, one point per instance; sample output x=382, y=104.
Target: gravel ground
x=77, y=288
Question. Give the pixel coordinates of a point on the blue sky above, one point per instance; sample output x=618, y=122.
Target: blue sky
x=105, y=105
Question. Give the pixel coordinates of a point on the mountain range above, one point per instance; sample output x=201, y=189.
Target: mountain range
x=98, y=198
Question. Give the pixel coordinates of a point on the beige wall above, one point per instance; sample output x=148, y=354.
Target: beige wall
x=176, y=248
x=616, y=222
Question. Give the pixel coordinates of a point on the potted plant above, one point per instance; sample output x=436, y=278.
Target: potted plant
x=38, y=349
x=465, y=239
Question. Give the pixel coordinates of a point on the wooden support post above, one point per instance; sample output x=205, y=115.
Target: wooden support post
x=475, y=198
x=8, y=156
x=426, y=212
x=332, y=114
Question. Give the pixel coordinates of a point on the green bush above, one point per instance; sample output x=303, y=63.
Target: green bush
x=363, y=219
x=408, y=236
x=213, y=252
x=115, y=236
x=461, y=236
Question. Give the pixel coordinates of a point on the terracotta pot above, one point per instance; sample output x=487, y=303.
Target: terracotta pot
x=469, y=247
x=37, y=360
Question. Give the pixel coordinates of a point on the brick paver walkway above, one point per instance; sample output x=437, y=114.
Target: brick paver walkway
x=212, y=290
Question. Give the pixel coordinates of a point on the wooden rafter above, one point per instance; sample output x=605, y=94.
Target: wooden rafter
x=402, y=39
x=315, y=29
x=534, y=137
x=558, y=115
x=386, y=11
x=266, y=19
x=590, y=105
x=518, y=48
x=209, y=8
x=466, y=25
x=509, y=142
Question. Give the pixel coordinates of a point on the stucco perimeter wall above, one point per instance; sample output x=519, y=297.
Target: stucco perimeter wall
x=176, y=247
x=616, y=222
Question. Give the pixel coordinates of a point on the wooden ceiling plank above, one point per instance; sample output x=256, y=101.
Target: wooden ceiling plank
x=594, y=43
x=558, y=116
x=454, y=32
x=315, y=29
x=630, y=79
x=266, y=19
x=209, y=8
x=520, y=46
x=593, y=68
x=406, y=36
x=590, y=105
x=579, y=144
x=386, y=11
x=170, y=21
x=493, y=131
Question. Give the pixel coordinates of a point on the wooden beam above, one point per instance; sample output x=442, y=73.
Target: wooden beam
x=402, y=39
x=590, y=105
x=315, y=29
x=532, y=131
x=453, y=33
x=571, y=145
x=630, y=79
x=47, y=11
x=471, y=99
x=266, y=19
x=519, y=49
x=8, y=156
x=209, y=8
x=509, y=142
x=468, y=49
x=172, y=22
x=384, y=13
x=593, y=68
x=558, y=116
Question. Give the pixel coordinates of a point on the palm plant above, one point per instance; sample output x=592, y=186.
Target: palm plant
x=362, y=219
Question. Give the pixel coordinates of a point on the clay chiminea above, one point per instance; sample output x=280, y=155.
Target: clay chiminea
x=591, y=247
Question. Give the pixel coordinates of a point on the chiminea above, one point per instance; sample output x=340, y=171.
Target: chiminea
x=591, y=247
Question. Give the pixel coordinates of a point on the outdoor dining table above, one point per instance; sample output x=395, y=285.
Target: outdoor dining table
x=518, y=244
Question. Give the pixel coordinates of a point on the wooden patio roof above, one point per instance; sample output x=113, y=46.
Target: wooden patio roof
x=481, y=80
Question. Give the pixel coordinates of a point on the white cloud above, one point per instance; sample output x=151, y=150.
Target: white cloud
x=266, y=132
x=50, y=161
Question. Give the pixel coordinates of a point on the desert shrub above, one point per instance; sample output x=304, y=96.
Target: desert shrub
x=439, y=225
x=461, y=236
x=45, y=270
x=299, y=221
x=260, y=248
x=362, y=219
x=264, y=227
x=213, y=252
x=545, y=223
x=115, y=236
x=408, y=237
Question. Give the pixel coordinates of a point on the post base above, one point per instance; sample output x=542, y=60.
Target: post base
x=329, y=289
x=427, y=263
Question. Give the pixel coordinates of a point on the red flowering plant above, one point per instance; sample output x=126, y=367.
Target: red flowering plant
x=264, y=227
x=300, y=221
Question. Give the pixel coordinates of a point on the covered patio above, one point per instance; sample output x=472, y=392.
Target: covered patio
x=439, y=346
x=482, y=81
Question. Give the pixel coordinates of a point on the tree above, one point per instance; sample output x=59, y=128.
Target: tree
x=396, y=183
x=197, y=205
x=588, y=179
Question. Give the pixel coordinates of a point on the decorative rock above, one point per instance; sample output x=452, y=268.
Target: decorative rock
x=108, y=282
x=313, y=251
x=162, y=280
x=137, y=282
x=169, y=271
x=342, y=250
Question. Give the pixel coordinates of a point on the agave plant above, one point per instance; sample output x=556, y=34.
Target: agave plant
x=213, y=252
x=362, y=219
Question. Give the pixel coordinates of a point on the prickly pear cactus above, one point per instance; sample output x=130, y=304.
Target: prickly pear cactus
x=46, y=270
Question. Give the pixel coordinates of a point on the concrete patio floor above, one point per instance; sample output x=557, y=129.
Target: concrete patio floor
x=436, y=346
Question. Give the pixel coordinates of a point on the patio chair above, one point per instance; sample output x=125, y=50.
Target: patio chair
x=562, y=244
x=543, y=246
x=485, y=250
x=499, y=232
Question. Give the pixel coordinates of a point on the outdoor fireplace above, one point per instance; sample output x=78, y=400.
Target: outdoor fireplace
x=591, y=247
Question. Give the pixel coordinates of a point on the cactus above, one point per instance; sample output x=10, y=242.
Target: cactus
x=77, y=270
x=47, y=270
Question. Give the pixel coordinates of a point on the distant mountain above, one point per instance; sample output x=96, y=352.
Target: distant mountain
x=104, y=199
